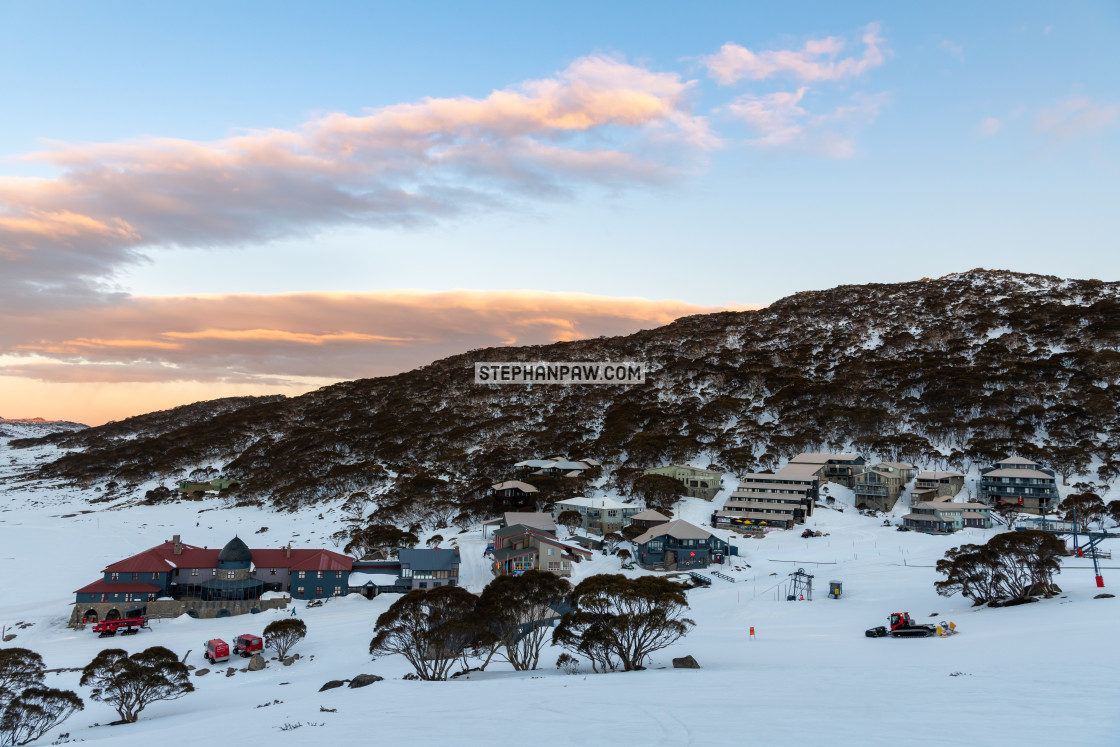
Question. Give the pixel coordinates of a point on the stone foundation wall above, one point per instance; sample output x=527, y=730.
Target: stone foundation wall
x=175, y=607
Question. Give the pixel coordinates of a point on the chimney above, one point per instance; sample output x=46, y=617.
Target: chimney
x=178, y=549
x=288, y=550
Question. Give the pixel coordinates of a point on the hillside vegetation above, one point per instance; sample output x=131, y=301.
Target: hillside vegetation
x=946, y=372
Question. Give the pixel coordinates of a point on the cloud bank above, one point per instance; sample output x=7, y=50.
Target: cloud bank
x=600, y=122
x=281, y=339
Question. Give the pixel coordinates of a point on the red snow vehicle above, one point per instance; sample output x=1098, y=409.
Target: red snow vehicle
x=216, y=650
x=248, y=644
x=126, y=626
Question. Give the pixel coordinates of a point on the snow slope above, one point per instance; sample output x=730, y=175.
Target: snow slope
x=1032, y=674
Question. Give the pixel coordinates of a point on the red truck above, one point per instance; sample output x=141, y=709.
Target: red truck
x=216, y=650
x=248, y=644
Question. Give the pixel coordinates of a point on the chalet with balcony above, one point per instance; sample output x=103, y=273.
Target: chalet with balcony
x=942, y=515
x=600, y=515
x=521, y=548
x=679, y=545
x=513, y=494
x=764, y=501
x=557, y=467
x=880, y=486
x=838, y=468
x=428, y=568
x=930, y=485
x=649, y=518
x=1018, y=480
x=700, y=483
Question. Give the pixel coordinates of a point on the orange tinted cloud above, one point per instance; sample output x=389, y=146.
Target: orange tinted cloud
x=247, y=338
x=600, y=121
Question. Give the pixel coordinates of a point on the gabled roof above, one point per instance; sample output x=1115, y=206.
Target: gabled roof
x=549, y=539
x=803, y=470
x=149, y=561
x=314, y=560
x=1017, y=460
x=104, y=587
x=591, y=462
x=678, y=529
x=814, y=457
x=896, y=465
x=536, y=520
x=535, y=463
x=162, y=558
x=429, y=560
x=608, y=503
x=566, y=465
x=524, y=487
x=1018, y=472
x=937, y=475
x=650, y=515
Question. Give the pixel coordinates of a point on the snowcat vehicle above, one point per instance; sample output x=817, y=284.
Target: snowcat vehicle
x=901, y=626
x=125, y=626
x=247, y=644
x=216, y=650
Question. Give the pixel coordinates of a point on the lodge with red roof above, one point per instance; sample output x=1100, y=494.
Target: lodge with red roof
x=175, y=578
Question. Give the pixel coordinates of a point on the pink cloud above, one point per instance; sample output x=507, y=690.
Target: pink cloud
x=288, y=338
x=599, y=122
x=1076, y=117
x=818, y=60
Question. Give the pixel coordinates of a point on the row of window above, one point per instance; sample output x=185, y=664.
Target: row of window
x=319, y=591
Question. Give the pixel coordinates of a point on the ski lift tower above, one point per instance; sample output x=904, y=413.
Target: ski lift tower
x=800, y=586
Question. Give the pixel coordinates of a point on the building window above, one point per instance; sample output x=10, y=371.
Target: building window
x=553, y=565
x=194, y=571
x=338, y=574
x=272, y=571
x=318, y=574
x=551, y=551
x=299, y=591
x=318, y=591
x=230, y=574
x=104, y=597
x=338, y=591
x=301, y=574
x=423, y=584
x=114, y=576
x=155, y=577
x=406, y=572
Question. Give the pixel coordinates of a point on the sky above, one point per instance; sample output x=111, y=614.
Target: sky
x=209, y=199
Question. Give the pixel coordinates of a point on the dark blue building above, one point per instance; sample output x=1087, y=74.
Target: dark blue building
x=679, y=544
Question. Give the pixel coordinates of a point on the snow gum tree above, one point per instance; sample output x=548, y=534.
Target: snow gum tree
x=282, y=635
x=131, y=683
x=430, y=628
x=34, y=712
x=516, y=610
x=618, y=621
x=27, y=709
x=20, y=668
x=1010, y=567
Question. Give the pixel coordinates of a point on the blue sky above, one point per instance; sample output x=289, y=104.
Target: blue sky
x=788, y=147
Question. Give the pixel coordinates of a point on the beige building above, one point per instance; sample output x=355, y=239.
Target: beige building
x=930, y=485
x=701, y=483
x=880, y=486
x=838, y=468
